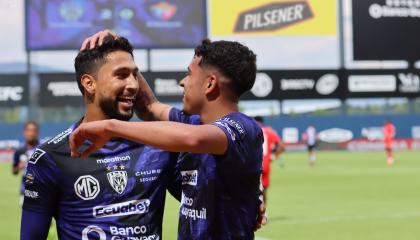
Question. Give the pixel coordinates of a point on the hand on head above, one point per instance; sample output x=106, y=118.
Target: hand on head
x=96, y=38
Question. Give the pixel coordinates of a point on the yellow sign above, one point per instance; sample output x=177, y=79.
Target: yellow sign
x=273, y=18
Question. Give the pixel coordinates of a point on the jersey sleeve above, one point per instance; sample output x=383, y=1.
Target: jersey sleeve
x=176, y=115
x=16, y=156
x=34, y=225
x=40, y=183
x=244, y=142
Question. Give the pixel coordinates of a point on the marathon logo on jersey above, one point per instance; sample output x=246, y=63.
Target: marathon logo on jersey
x=36, y=155
x=273, y=16
x=117, y=180
x=87, y=187
x=140, y=206
x=189, y=177
x=114, y=159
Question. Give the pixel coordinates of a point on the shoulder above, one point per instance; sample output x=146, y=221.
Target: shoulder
x=56, y=145
x=242, y=124
x=20, y=150
x=176, y=115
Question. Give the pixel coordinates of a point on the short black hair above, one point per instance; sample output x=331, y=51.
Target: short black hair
x=31, y=123
x=232, y=59
x=89, y=61
x=259, y=119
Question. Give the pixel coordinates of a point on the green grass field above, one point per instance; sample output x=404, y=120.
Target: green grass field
x=347, y=196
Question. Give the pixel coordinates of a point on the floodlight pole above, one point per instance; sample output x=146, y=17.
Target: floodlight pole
x=341, y=51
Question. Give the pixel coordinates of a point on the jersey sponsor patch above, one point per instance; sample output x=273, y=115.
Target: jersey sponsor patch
x=31, y=194
x=60, y=136
x=189, y=177
x=87, y=187
x=93, y=229
x=29, y=178
x=226, y=126
x=140, y=206
x=36, y=155
x=118, y=233
x=113, y=159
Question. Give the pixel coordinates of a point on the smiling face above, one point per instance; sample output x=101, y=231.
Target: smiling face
x=195, y=85
x=117, y=85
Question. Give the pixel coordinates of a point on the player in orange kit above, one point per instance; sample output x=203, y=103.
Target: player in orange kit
x=272, y=141
x=389, y=134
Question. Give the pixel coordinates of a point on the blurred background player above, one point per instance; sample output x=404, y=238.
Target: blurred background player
x=22, y=154
x=389, y=134
x=272, y=146
x=310, y=137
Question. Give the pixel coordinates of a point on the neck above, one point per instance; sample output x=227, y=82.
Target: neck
x=93, y=113
x=32, y=144
x=216, y=109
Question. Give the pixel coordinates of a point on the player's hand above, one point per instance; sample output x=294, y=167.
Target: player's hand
x=97, y=39
x=262, y=218
x=95, y=132
x=144, y=99
x=22, y=165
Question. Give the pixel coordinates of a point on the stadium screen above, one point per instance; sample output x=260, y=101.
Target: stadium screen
x=61, y=24
x=386, y=30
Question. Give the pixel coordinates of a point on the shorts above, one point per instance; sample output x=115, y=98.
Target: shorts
x=388, y=145
x=311, y=147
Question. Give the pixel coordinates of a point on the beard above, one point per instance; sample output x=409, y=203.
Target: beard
x=110, y=108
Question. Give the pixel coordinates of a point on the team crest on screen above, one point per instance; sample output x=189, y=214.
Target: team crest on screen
x=118, y=180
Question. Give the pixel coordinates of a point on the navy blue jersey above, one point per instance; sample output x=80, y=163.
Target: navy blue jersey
x=22, y=154
x=220, y=193
x=116, y=193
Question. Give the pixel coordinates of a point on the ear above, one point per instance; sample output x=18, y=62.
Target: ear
x=212, y=84
x=89, y=84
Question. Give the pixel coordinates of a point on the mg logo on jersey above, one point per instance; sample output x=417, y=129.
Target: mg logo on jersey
x=118, y=180
x=86, y=187
x=90, y=230
x=189, y=177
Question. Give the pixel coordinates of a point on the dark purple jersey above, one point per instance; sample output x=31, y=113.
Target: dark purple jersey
x=220, y=193
x=116, y=193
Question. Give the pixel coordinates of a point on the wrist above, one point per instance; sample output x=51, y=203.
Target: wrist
x=110, y=126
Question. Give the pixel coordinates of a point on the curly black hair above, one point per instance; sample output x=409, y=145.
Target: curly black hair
x=90, y=60
x=232, y=59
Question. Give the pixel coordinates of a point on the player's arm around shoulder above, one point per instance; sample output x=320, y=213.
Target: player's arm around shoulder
x=173, y=136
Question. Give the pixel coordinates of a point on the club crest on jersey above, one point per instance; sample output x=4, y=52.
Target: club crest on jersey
x=118, y=180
